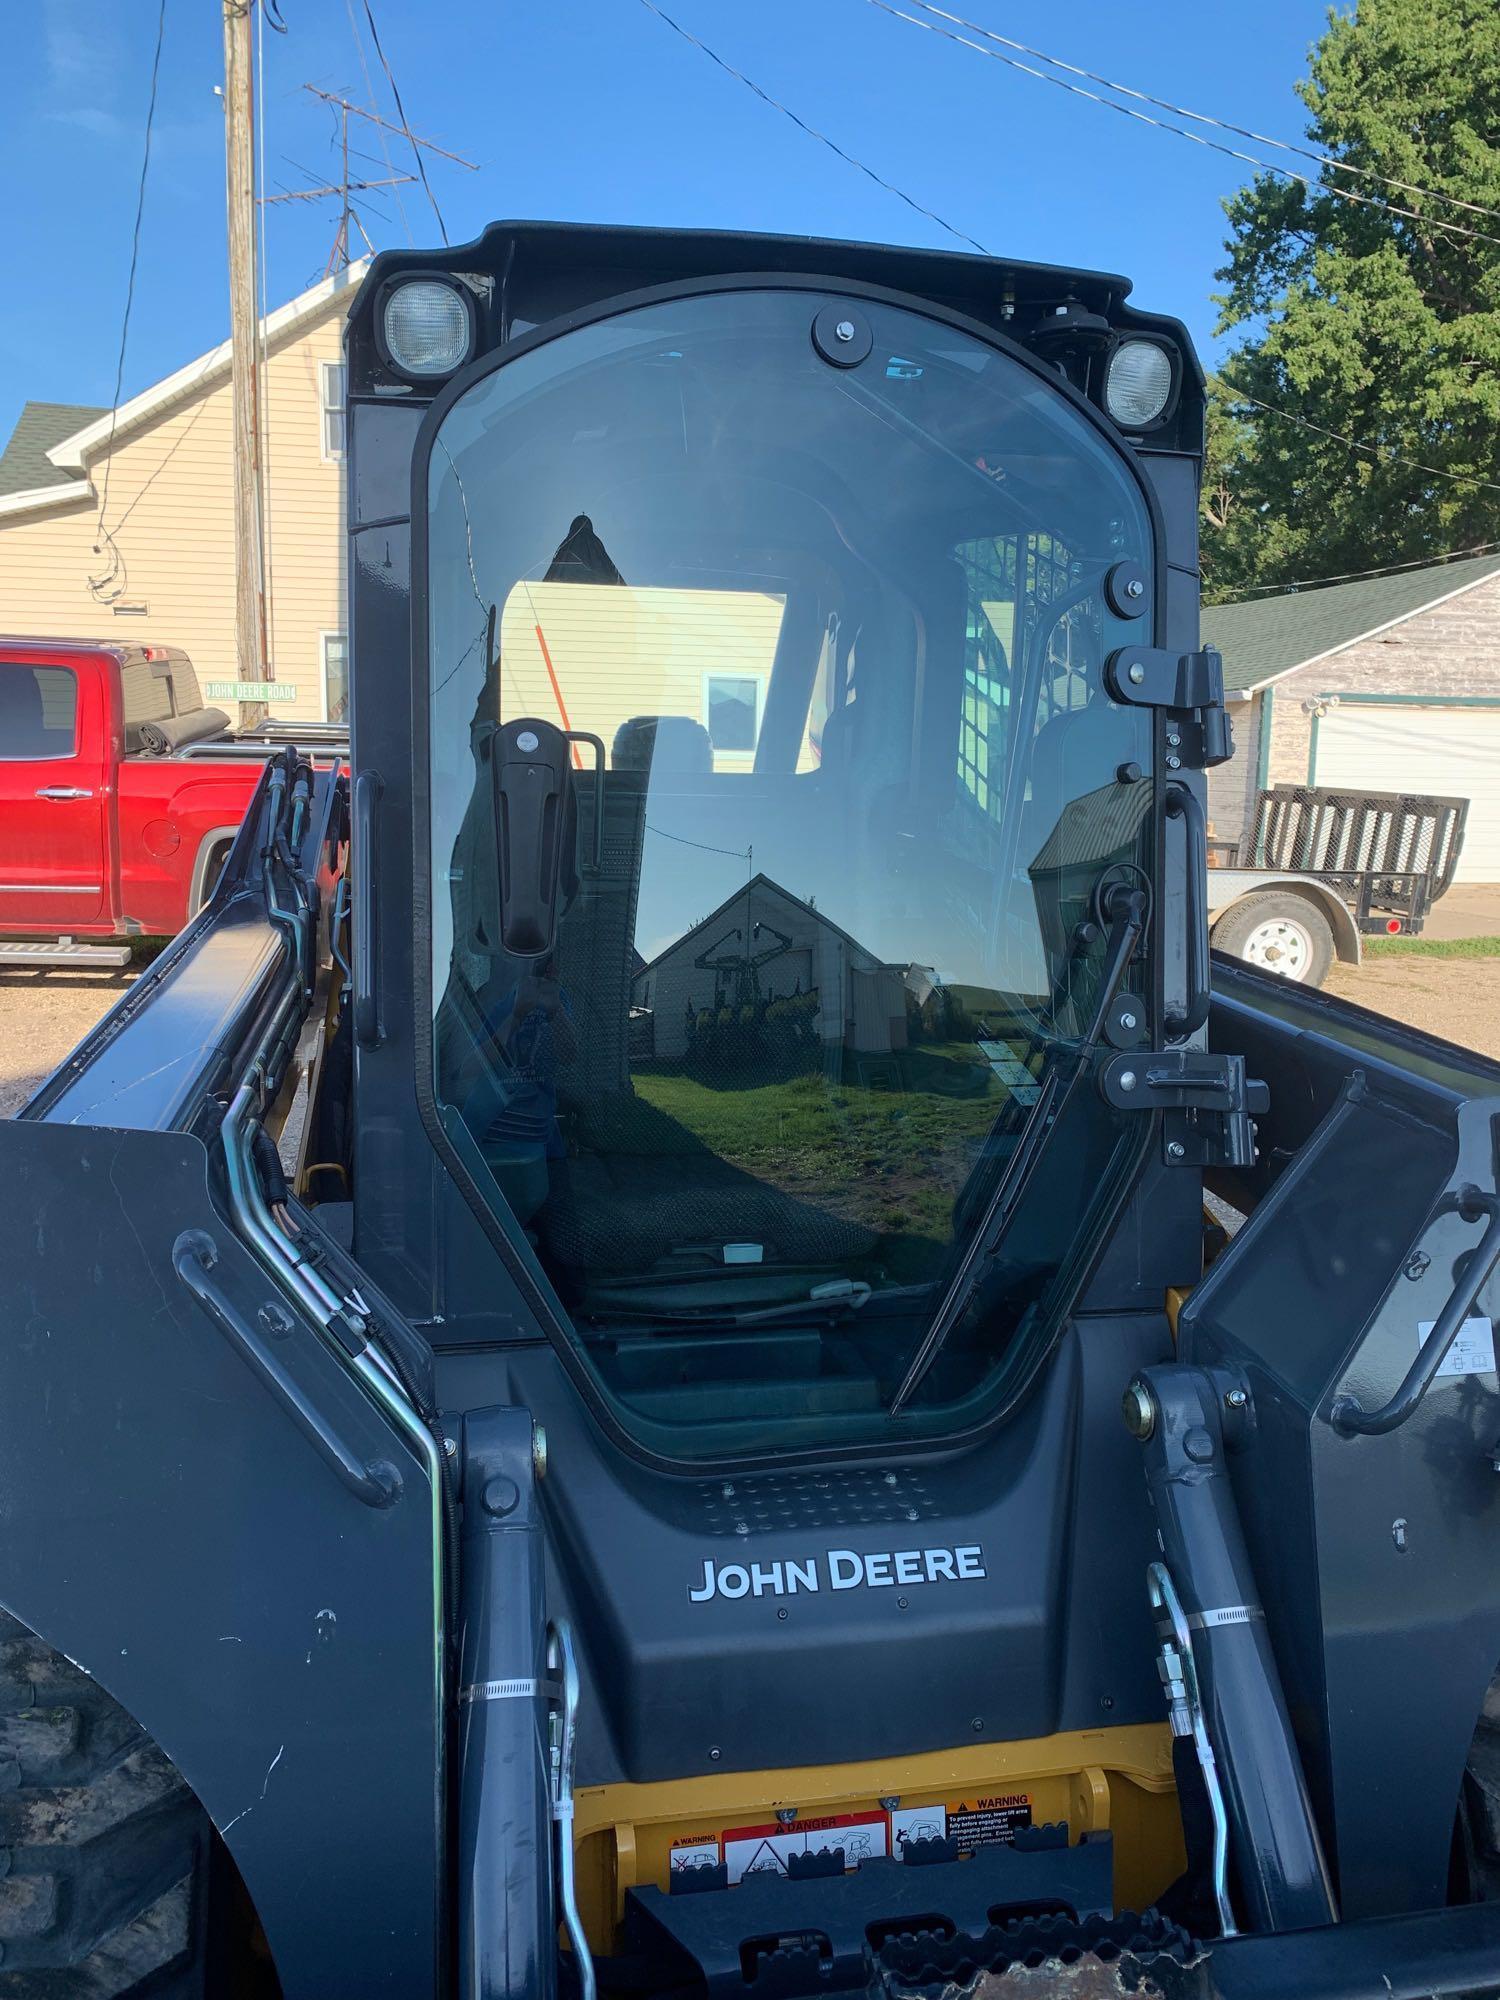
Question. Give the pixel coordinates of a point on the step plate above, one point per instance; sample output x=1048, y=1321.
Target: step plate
x=103, y=957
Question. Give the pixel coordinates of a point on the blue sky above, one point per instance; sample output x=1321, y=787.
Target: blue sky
x=594, y=110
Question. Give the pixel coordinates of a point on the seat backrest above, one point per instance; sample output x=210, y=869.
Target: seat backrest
x=662, y=743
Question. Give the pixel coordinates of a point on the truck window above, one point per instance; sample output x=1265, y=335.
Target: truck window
x=38, y=712
x=841, y=633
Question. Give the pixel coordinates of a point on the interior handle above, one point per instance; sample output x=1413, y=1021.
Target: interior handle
x=1184, y=804
x=366, y=861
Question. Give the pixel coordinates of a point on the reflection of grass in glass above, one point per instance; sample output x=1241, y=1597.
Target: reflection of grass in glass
x=892, y=1158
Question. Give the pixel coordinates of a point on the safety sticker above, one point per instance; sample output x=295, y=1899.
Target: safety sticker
x=987, y=1822
x=695, y=1850
x=757, y=1850
x=1473, y=1349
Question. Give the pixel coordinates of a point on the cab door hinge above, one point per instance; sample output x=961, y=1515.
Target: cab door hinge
x=1208, y=1102
x=1190, y=688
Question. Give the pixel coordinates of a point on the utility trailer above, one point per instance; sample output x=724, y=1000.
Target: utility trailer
x=652, y=1516
x=1320, y=868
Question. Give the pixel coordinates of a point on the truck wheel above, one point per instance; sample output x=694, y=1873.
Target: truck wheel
x=104, y=1851
x=1279, y=933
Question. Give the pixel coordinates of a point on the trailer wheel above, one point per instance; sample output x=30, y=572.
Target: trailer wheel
x=1280, y=933
x=105, y=1854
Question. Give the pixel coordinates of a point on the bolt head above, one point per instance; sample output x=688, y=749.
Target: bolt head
x=1127, y=1078
x=889, y=1803
x=1176, y=1150
x=1136, y=673
x=844, y=330
x=1236, y=1399
x=1135, y=588
x=1139, y=1408
x=1174, y=763
x=1127, y=1021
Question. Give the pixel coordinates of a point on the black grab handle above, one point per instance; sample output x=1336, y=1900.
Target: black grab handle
x=1184, y=804
x=1347, y=1416
x=363, y=862
x=194, y=1256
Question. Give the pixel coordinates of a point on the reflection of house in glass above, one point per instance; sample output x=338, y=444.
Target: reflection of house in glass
x=767, y=960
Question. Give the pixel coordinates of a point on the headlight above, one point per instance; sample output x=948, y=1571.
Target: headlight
x=427, y=326
x=1138, y=385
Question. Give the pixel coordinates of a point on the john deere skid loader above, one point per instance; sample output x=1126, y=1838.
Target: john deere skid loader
x=562, y=1353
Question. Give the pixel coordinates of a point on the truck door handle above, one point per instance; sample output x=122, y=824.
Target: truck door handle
x=64, y=792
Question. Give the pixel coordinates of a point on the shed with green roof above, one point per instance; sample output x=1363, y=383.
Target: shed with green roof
x=1383, y=683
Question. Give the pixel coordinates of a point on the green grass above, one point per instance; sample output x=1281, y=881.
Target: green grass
x=890, y=1158
x=1425, y=947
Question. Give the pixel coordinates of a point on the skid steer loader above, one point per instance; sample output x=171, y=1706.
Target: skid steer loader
x=564, y=1348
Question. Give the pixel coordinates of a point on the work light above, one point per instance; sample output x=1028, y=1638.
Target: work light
x=428, y=327
x=1138, y=383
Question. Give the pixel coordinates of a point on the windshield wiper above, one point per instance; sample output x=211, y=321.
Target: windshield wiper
x=1127, y=923
x=837, y=1296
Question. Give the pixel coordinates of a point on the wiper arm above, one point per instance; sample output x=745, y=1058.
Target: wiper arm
x=1129, y=922
x=837, y=1296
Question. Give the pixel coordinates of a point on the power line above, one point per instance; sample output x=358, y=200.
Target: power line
x=416, y=153
x=112, y=577
x=811, y=131
x=1354, y=444
x=1205, y=118
x=1161, y=124
x=1352, y=575
x=1373, y=451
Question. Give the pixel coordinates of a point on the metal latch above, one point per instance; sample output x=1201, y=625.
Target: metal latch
x=1208, y=1101
x=1190, y=686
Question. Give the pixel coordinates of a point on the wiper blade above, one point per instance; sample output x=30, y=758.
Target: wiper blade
x=837, y=1296
x=1031, y=1147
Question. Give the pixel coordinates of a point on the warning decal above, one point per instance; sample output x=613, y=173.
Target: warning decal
x=986, y=1822
x=696, y=1850
x=755, y=1850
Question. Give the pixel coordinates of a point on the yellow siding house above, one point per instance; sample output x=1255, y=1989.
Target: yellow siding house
x=163, y=573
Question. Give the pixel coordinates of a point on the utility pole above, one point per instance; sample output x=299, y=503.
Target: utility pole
x=251, y=662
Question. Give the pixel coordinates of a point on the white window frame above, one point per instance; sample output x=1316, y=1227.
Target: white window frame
x=323, y=639
x=759, y=682
x=327, y=371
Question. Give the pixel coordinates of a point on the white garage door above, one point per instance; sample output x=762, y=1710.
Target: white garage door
x=1451, y=752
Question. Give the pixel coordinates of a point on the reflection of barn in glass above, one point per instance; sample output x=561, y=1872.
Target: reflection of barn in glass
x=767, y=961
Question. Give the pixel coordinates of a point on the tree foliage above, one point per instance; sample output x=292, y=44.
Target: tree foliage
x=1380, y=326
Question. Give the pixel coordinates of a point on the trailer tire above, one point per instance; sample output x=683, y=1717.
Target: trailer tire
x=104, y=1851
x=1279, y=932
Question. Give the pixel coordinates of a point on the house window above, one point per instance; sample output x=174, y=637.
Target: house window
x=332, y=377
x=335, y=677
x=731, y=702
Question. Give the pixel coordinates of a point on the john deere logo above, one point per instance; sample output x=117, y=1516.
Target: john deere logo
x=843, y=1569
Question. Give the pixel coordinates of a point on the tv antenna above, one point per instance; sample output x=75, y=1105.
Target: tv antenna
x=348, y=185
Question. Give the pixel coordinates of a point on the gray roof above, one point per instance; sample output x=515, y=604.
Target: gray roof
x=24, y=464
x=1268, y=636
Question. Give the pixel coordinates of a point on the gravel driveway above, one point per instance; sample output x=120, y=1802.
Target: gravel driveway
x=43, y=1015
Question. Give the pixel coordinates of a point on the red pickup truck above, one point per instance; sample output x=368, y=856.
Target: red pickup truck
x=119, y=797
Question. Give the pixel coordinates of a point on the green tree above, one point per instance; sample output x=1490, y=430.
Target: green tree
x=1379, y=325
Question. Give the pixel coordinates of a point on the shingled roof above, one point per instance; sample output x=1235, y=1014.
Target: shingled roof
x=24, y=464
x=1266, y=637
